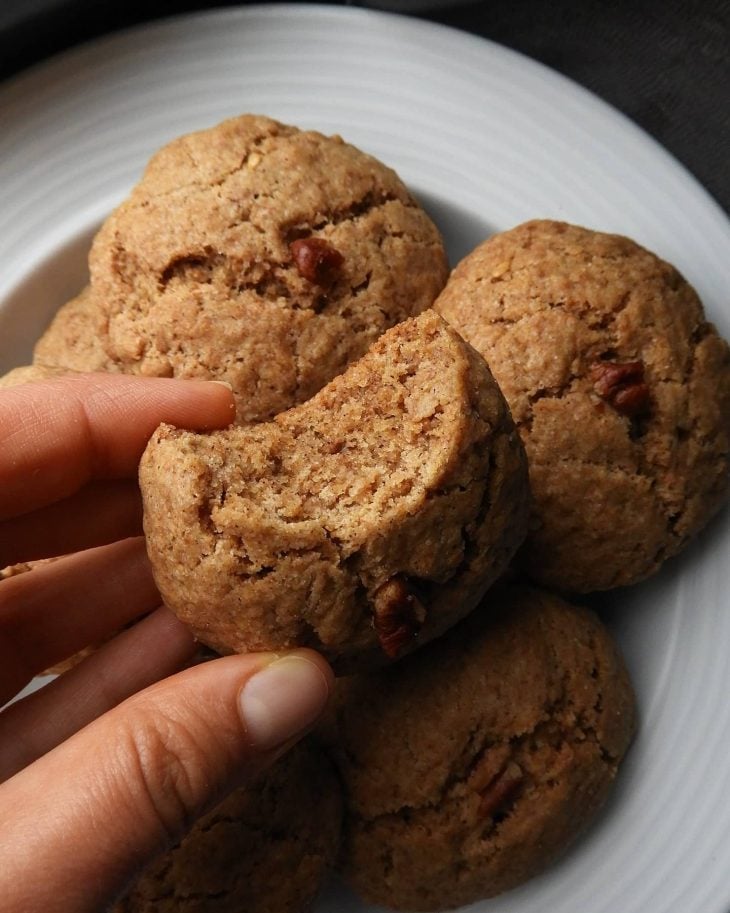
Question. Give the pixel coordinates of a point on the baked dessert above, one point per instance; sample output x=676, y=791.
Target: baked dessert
x=470, y=766
x=362, y=523
x=620, y=389
x=254, y=253
x=76, y=337
x=267, y=848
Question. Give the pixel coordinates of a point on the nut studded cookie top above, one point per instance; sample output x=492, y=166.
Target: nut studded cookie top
x=620, y=389
x=254, y=253
x=471, y=765
x=363, y=523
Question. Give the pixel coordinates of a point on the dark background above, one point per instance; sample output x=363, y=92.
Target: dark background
x=665, y=63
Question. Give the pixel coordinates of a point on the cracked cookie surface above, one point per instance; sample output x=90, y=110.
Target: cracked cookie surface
x=468, y=767
x=619, y=387
x=76, y=337
x=362, y=523
x=254, y=253
x=267, y=848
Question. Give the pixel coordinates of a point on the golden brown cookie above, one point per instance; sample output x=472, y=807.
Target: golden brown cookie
x=620, y=390
x=253, y=253
x=362, y=523
x=266, y=849
x=76, y=337
x=470, y=766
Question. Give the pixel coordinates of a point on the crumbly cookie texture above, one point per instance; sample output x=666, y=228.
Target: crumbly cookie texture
x=363, y=523
x=619, y=387
x=76, y=337
x=267, y=848
x=254, y=253
x=470, y=766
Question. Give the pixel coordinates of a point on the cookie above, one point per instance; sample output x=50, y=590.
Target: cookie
x=470, y=766
x=253, y=253
x=619, y=387
x=75, y=338
x=267, y=848
x=362, y=523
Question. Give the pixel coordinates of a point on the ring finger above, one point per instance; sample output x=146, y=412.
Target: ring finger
x=58, y=608
x=154, y=648
x=99, y=513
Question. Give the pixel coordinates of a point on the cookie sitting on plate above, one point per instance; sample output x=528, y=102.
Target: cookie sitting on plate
x=76, y=337
x=254, y=253
x=362, y=523
x=620, y=389
x=471, y=765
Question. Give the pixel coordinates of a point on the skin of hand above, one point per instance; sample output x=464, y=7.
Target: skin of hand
x=113, y=761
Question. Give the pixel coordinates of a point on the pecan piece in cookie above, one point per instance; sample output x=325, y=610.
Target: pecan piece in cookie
x=398, y=617
x=501, y=791
x=623, y=405
x=465, y=766
x=316, y=260
x=622, y=385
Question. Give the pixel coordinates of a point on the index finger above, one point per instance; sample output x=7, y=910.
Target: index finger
x=58, y=434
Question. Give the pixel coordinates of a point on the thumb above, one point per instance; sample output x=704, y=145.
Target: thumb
x=79, y=822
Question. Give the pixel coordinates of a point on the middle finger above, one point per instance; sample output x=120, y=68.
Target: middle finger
x=151, y=650
x=99, y=513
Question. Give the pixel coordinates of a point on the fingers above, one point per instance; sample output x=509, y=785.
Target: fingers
x=151, y=650
x=56, y=609
x=131, y=783
x=100, y=513
x=58, y=434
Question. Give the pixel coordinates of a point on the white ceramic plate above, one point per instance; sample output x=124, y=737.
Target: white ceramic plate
x=486, y=138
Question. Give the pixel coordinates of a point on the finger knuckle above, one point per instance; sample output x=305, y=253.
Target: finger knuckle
x=169, y=767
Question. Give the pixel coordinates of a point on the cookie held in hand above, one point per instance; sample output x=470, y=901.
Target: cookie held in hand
x=470, y=766
x=620, y=389
x=363, y=523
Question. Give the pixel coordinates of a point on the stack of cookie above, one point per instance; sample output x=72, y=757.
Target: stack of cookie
x=413, y=453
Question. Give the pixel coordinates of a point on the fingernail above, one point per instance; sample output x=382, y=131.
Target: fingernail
x=282, y=700
x=222, y=383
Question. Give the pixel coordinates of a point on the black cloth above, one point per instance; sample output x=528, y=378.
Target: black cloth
x=664, y=63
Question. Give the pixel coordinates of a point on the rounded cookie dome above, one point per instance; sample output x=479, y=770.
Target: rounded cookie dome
x=254, y=253
x=620, y=390
x=468, y=767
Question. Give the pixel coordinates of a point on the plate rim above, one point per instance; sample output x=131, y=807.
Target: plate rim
x=314, y=11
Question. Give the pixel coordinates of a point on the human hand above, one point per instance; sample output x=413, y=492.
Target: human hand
x=112, y=762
